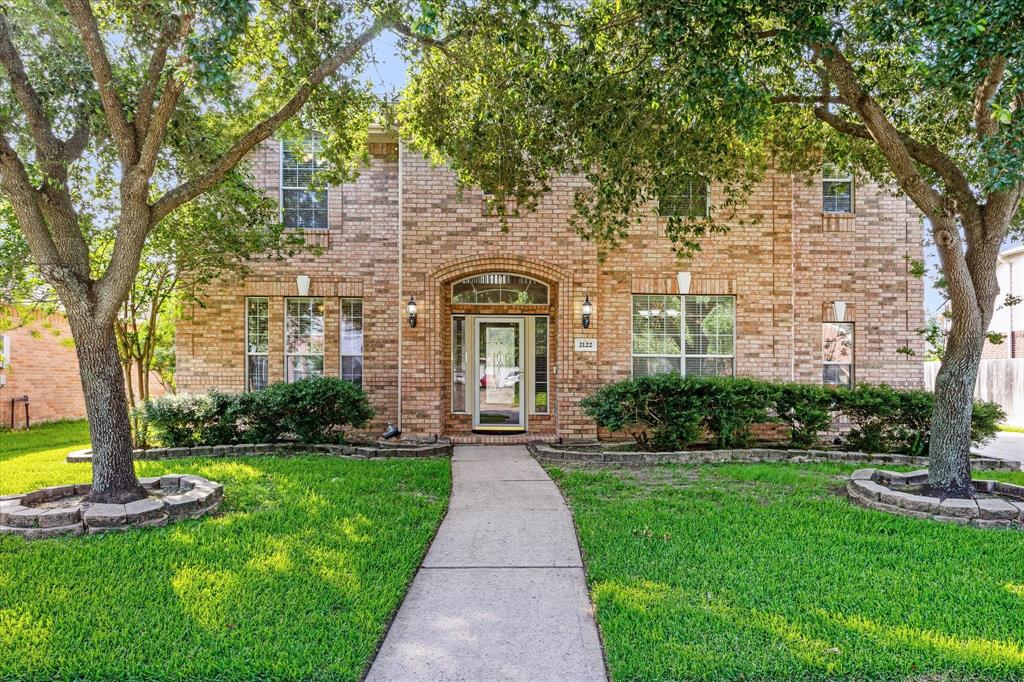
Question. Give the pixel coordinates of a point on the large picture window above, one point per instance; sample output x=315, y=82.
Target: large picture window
x=303, y=338
x=352, y=340
x=693, y=335
x=257, y=344
x=837, y=353
x=303, y=207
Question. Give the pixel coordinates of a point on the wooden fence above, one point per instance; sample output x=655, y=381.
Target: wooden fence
x=999, y=381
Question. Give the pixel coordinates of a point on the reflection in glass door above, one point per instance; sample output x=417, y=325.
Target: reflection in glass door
x=499, y=390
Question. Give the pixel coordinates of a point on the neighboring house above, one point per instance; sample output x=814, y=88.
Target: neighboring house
x=1009, y=320
x=39, y=363
x=812, y=284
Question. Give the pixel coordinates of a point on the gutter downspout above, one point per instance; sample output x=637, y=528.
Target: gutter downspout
x=401, y=269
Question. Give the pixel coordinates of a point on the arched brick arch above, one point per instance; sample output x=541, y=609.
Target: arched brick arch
x=438, y=307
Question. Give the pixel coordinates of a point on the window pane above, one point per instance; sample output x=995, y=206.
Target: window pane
x=710, y=325
x=837, y=196
x=303, y=206
x=690, y=200
x=304, y=366
x=837, y=342
x=500, y=288
x=540, y=365
x=352, y=369
x=304, y=326
x=656, y=325
x=256, y=322
x=458, y=364
x=709, y=367
x=837, y=375
x=352, y=326
x=648, y=366
x=257, y=372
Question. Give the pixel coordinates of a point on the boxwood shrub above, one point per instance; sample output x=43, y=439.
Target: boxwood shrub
x=673, y=412
x=314, y=410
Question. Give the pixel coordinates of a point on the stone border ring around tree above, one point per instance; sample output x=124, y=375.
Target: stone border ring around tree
x=62, y=510
x=995, y=504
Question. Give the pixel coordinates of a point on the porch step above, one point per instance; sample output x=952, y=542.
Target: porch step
x=501, y=439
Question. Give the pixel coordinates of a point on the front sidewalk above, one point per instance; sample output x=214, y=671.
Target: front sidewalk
x=501, y=594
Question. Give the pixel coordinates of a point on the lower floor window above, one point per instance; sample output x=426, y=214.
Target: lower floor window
x=257, y=344
x=693, y=335
x=837, y=353
x=303, y=338
x=352, y=340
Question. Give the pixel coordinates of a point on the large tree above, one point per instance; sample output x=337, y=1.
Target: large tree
x=159, y=100
x=927, y=95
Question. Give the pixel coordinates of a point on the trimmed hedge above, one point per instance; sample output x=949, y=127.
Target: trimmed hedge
x=314, y=410
x=672, y=412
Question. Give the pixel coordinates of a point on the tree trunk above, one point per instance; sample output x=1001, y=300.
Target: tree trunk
x=949, y=467
x=106, y=407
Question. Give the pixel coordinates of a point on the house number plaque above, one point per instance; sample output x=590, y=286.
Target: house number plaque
x=586, y=345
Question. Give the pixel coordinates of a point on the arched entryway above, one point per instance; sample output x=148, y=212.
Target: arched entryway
x=500, y=347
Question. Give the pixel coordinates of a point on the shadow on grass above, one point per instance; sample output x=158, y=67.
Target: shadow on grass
x=293, y=579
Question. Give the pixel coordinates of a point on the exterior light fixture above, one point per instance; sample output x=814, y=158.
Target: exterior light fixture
x=839, y=310
x=588, y=310
x=302, y=284
x=683, y=280
x=410, y=307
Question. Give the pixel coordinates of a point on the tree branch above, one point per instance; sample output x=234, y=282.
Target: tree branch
x=984, y=124
x=190, y=189
x=880, y=129
x=147, y=94
x=807, y=99
x=122, y=131
x=47, y=144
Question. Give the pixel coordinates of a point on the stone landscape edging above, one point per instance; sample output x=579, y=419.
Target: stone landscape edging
x=186, y=496
x=546, y=453
x=870, y=488
x=248, y=449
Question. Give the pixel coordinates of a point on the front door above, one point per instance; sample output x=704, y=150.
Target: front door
x=498, y=353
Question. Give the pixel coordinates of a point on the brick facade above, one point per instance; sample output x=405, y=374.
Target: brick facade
x=783, y=260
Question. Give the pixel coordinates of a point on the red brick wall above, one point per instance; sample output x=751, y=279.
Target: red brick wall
x=783, y=260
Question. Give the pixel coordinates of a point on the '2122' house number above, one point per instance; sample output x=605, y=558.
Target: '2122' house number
x=586, y=345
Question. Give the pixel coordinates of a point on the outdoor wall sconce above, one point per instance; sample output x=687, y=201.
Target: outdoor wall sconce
x=839, y=310
x=588, y=310
x=410, y=307
x=302, y=284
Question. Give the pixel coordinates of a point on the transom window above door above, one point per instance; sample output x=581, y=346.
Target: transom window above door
x=500, y=288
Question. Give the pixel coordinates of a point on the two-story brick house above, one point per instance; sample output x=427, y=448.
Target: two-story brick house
x=811, y=284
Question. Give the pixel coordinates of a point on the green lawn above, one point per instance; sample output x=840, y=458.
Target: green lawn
x=294, y=578
x=762, y=572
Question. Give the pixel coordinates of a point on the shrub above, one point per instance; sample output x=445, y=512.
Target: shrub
x=315, y=410
x=731, y=407
x=806, y=409
x=985, y=420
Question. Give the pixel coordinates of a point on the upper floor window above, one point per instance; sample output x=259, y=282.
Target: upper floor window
x=303, y=338
x=686, y=334
x=498, y=288
x=302, y=206
x=691, y=200
x=837, y=353
x=836, y=189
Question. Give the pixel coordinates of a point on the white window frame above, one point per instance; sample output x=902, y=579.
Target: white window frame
x=832, y=173
x=288, y=355
x=341, y=338
x=852, y=364
x=248, y=354
x=683, y=355
x=282, y=188
x=693, y=178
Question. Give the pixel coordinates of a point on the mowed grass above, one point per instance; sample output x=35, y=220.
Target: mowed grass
x=763, y=572
x=294, y=578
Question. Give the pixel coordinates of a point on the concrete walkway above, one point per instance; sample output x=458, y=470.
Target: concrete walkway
x=1006, y=445
x=501, y=594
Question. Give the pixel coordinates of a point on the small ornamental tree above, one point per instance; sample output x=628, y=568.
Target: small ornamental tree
x=638, y=95
x=159, y=102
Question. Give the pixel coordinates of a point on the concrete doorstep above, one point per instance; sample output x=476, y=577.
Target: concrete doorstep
x=501, y=594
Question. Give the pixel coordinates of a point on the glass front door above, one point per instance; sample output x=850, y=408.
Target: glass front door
x=499, y=378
